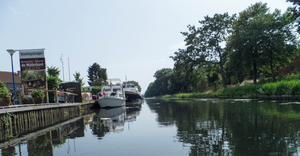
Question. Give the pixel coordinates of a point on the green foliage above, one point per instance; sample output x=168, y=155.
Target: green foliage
x=97, y=76
x=78, y=79
x=204, y=45
x=290, y=77
x=53, y=71
x=263, y=41
x=160, y=85
x=283, y=87
x=53, y=81
x=5, y=118
x=96, y=89
x=229, y=50
x=37, y=93
x=2, y=84
x=4, y=92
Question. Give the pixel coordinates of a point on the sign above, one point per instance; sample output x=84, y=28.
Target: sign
x=33, y=64
x=33, y=70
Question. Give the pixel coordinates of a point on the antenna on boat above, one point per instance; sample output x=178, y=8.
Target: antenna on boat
x=126, y=81
x=69, y=69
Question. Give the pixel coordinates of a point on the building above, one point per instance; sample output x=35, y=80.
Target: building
x=290, y=68
x=6, y=77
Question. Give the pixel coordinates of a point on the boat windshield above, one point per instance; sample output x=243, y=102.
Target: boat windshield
x=128, y=86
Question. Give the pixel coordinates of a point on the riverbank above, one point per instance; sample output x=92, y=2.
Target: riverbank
x=286, y=88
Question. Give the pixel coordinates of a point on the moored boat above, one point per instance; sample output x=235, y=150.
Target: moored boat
x=112, y=95
x=132, y=93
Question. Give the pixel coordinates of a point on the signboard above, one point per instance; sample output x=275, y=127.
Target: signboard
x=33, y=70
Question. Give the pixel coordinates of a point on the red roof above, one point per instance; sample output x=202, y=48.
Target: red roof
x=7, y=77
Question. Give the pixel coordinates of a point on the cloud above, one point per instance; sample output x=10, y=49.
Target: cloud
x=14, y=11
x=177, y=46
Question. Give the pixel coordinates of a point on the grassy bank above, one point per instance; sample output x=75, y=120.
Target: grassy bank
x=286, y=85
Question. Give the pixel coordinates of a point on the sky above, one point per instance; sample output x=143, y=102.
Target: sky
x=132, y=38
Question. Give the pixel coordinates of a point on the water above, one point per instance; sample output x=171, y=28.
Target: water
x=173, y=127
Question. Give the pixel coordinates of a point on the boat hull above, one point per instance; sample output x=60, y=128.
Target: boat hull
x=110, y=102
x=132, y=96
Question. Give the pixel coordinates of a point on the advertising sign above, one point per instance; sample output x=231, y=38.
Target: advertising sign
x=33, y=70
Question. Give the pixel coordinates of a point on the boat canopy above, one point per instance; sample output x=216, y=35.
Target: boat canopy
x=111, y=80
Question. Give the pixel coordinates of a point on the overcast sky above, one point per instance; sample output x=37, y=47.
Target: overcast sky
x=128, y=37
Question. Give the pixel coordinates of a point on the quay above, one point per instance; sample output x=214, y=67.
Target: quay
x=32, y=107
x=17, y=120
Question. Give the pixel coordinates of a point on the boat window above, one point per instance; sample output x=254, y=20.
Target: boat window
x=116, y=90
x=128, y=86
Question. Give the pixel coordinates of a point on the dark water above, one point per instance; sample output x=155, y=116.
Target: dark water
x=173, y=127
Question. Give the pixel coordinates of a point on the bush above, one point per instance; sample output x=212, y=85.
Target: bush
x=4, y=92
x=2, y=84
x=96, y=89
x=37, y=93
x=283, y=87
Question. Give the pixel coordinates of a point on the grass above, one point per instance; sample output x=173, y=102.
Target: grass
x=287, y=85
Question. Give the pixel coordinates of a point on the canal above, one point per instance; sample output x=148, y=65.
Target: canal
x=169, y=127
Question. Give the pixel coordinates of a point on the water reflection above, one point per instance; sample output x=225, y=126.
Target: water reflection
x=227, y=127
x=62, y=135
x=44, y=141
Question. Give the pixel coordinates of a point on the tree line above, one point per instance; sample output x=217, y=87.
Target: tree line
x=227, y=49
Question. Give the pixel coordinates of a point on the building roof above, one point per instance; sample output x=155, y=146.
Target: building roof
x=7, y=77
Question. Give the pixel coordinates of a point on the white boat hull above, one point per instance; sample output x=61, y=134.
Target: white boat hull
x=113, y=112
x=108, y=102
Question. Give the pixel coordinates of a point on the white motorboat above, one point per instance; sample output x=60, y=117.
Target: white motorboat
x=112, y=95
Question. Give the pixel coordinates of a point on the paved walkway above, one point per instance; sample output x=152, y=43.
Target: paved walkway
x=30, y=107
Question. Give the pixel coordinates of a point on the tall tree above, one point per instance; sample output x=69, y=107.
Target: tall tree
x=78, y=78
x=262, y=40
x=246, y=34
x=97, y=76
x=207, y=43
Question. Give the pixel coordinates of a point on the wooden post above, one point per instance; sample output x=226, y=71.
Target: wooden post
x=56, y=96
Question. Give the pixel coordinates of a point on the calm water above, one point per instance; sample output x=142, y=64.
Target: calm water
x=174, y=127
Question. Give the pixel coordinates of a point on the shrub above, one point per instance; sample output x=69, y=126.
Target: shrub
x=37, y=93
x=4, y=92
x=2, y=84
x=283, y=87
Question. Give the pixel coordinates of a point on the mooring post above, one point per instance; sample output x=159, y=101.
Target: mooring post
x=56, y=96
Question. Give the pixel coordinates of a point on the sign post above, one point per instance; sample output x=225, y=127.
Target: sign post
x=33, y=70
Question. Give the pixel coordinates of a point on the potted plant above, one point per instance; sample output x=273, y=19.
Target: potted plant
x=37, y=96
x=4, y=96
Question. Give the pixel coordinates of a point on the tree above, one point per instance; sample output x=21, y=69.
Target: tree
x=205, y=43
x=262, y=40
x=53, y=71
x=78, y=79
x=97, y=76
x=53, y=81
x=160, y=85
x=296, y=12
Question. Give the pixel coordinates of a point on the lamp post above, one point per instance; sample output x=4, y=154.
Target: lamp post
x=11, y=52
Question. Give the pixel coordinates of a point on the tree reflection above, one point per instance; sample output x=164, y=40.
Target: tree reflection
x=231, y=128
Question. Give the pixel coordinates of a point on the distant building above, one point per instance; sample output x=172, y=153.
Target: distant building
x=6, y=77
x=291, y=67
